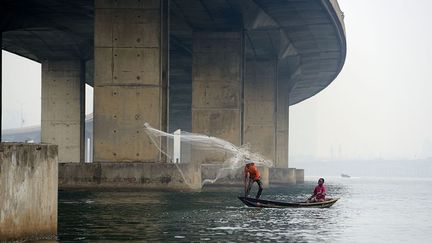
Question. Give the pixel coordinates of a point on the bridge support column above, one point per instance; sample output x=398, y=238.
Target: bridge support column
x=282, y=124
x=130, y=86
x=217, y=73
x=260, y=106
x=61, y=107
x=281, y=174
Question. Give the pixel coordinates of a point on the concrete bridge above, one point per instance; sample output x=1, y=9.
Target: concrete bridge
x=226, y=68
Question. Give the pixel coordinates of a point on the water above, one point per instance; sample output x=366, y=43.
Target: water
x=369, y=168
x=370, y=210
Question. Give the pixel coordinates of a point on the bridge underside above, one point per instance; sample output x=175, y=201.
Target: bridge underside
x=227, y=68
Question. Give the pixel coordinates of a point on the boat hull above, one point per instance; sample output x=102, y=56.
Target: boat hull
x=252, y=202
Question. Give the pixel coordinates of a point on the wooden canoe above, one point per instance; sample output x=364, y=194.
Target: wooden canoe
x=252, y=202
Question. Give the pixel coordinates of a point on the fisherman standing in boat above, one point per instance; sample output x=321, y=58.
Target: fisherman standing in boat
x=251, y=175
x=319, y=192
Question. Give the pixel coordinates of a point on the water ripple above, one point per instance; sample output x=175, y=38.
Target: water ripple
x=369, y=210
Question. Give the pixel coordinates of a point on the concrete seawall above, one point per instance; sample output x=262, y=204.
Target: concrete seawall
x=161, y=176
x=299, y=176
x=282, y=176
x=269, y=176
x=28, y=191
x=130, y=175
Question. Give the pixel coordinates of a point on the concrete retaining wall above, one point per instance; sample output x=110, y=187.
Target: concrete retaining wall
x=161, y=176
x=138, y=175
x=299, y=173
x=282, y=176
x=28, y=191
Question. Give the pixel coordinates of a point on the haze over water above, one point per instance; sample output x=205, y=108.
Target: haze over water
x=404, y=169
x=370, y=210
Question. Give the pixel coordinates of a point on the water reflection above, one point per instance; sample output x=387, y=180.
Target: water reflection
x=214, y=214
x=363, y=214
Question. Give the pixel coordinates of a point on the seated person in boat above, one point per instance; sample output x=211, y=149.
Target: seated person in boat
x=319, y=192
x=251, y=175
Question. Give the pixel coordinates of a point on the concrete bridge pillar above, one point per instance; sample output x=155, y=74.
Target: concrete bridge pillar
x=61, y=113
x=282, y=123
x=281, y=174
x=217, y=72
x=130, y=85
x=266, y=117
x=260, y=106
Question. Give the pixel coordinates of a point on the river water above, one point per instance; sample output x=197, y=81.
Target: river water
x=370, y=210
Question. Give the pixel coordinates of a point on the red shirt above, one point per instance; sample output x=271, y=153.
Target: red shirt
x=320, y=190
x=254, y=173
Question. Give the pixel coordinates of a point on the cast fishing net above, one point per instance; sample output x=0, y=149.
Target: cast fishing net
x=199, y=149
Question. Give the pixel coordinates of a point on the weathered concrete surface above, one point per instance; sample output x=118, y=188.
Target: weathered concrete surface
x=299, y=173
x=233, y=178
x=133, y=175
x=61, y=107
x=217, y=89
x=282, y=176
x=130, y=86
x=282, y=123
x=216, y=84
x=260, y=106
x=28, y=191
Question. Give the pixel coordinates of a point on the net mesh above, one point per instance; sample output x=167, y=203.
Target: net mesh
x=202, y=149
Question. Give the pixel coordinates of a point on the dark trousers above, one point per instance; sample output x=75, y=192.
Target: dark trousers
x=249, y=187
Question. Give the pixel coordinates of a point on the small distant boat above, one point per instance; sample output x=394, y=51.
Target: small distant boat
x=252, y=202
x=345, y=176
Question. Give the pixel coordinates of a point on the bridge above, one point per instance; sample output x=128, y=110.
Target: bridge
x=226, y=68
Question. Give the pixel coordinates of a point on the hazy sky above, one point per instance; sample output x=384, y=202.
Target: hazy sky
x=380, y=106
x=22, y=92
x=21, y=98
